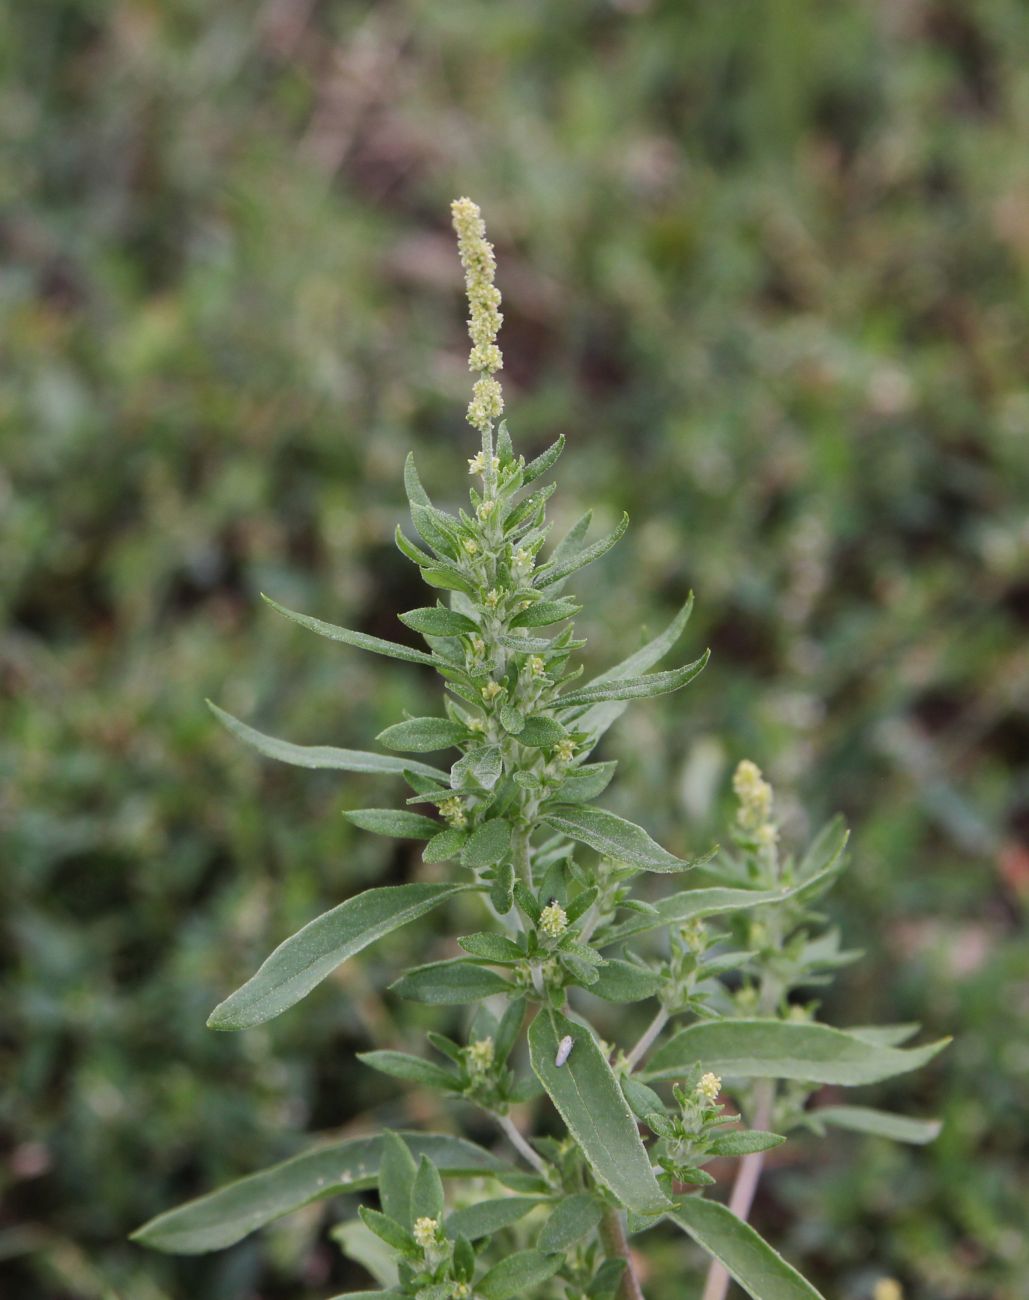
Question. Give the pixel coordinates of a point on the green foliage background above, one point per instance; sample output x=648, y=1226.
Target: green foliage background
x=766, y=263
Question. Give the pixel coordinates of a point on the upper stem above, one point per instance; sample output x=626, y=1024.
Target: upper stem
x=616, y=1245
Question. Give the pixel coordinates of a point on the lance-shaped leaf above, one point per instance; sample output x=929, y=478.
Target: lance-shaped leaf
x=599, y=717
x=484, y=1218
x=307, y=957
x=450, y=983
x=517, y=1274
x=361, y=640
x=747, y=1257
x=544, y=460
x=637, y=688
x=879, y=1123
x=784, y=1049
x=544, y=612
x=621, y=981
x=564, y=566
x=421, y=735
x=615, y=838
x=744, y=1142
x=412, y=1069
x=438, y=622
x=586, y=1093
x=572, y=1219
x=231, y=1213
x=322, y=756
x=691, y=903
x=394, y=821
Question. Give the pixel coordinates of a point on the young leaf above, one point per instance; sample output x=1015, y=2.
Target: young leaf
x=484, y=1218
x=880, y=1123
x=543, y=461
x=516, y=1274
x=231, y=1213
x=826, y=849
x=743, y=1142
x=541, y=732
x=492, y=947
x=571, y=1220
x=420, y=735
x=637, y=688
x=614, y=837
x=438, y=622
x=482, y=766
x=784, y=1049
x=397, y=1171
x=449, y=983
x=416, y=494
x=321, y=756
x=545, y=612
x=414, y=553
x=427, y=1192
x=600, y=716
x=560, y=568
x=394, y=821
x=388, y=1230
x=586, y=1093
x=412, y=1069
x=583, y=784
x=307, y=957
x=746, y=1256
x=361, y=640
x=488, y=844
x=446, y=845
x=621, y=981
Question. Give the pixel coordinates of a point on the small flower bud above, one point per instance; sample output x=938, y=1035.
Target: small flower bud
x=536, y=666
x=565, y=749
x=491, y=690
x=485, y=509
x=492, y=598
x=471, y=546
x=452, y=810
x=480, y=1056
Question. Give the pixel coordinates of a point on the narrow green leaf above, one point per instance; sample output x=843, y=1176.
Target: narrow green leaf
x=420, y=735
x=449, y=983
x=746, y=1256
x=487, y=1217
x=572, y=1219
x=744, y=1142
x=621, y=981
x=545, y=612
x=784, y=1049
x=887, y=1035
x=412, y=1069
x=414, y=553
x=397, y=1169
x=583, y=784
x=435, y=621
x=223, y=1217
x=880, y=1123
x=541, y=732
x=543, y=461
x=387, y=1230
x=361, y=640
x=589, y=1100
x=492, y=947
x=416, y=494
x=436, y=530
x=600, y=716
x=691, y=903
x=615, y=838
x=427, y=1192
x=516, y=1274
x=559, y=569
x=826, y=849
x=446, y=578
x=481, y=766
x=637, y=688
x=307, y=957
x=488, y=844
x=321, y=756
x=445, y=845
x=394, y=821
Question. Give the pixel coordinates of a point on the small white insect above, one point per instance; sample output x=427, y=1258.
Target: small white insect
x=564, y=1049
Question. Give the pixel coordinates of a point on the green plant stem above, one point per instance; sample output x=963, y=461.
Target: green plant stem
x=520, y=1144
x=745, y=1186
x=647, y=1038
x=616, y=1244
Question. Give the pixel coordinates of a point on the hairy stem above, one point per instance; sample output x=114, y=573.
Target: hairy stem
x=647, y=1039
x=520, y=1144
x=745, y=1186
x=616, y=1244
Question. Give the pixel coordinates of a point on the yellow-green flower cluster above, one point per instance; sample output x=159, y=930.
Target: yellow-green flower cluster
x=755, y=811
x=484, y=318
x=553, y=920
x=480, y=1056
x=426, y=1231
x=709, y=1087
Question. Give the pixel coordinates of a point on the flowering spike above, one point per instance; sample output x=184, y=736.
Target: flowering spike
x=484, y=321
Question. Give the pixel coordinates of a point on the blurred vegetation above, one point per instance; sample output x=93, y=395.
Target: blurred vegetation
x=767, y=266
